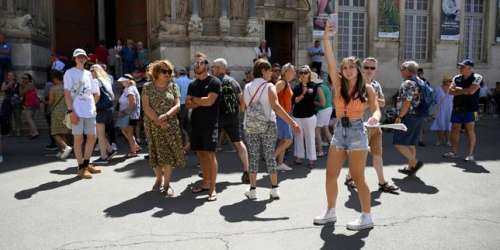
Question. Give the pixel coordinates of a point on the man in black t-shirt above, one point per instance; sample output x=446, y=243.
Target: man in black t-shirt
x=229, y=119
x=465, y=89
x=203, y=99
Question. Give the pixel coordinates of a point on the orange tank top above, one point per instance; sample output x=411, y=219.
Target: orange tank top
x=285, y=98
x=354, y=110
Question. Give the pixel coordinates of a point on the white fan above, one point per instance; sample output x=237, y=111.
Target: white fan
x=395, y=126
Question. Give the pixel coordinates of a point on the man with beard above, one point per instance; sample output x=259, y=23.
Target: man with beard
x=203, y=99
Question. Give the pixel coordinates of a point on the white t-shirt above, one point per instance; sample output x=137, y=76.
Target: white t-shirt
x=83, y=98
x=263, y=98
x=131, y=90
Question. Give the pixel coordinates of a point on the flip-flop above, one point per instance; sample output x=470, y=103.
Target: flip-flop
x=198, y=189
x=212, y=197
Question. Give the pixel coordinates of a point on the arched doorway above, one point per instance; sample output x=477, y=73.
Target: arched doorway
x=77, y=23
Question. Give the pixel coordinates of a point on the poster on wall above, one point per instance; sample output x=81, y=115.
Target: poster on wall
x=450, y=20
x=498, y=21
x=323, y=9
x=388, y=18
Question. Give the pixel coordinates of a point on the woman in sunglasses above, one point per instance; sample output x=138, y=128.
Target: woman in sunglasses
x=129, y=112
x=350, y=140
x=161, y=103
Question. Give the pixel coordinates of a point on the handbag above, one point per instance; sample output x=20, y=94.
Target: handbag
x=105, y=101
x=67, y=117
x=256, y=121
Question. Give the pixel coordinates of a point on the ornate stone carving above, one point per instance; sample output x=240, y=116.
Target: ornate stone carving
x=20, y=23
x=253, y=27
x=224, y=24
x=172, y=28
x=195, y=25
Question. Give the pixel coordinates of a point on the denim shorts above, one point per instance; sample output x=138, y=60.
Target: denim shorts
x=410, y=136
x=354, y=137
x=86, y=126
x=284, y=130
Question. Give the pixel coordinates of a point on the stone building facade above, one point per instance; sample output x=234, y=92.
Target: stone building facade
x=177, y=29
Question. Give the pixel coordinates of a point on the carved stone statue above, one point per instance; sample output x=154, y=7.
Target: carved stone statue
x=224, y=24
x=253, y=27
x=172, y=28
x=238, y=9
x=195, y=25
x=20, y=23
x=182, y=9
x=208, y=8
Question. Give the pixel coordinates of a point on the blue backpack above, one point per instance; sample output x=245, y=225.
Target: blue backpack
x=426, y=98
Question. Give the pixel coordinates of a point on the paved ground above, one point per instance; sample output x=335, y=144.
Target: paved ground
x=450, y=205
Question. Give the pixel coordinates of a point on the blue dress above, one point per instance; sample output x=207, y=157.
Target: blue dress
x=444, y=107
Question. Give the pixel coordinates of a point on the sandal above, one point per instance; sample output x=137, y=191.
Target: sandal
x=387, y=188
x=349, y=182
x=310, y=164
x=411, y=170
x=168, y=191
x=212, y=197
x=198, y=189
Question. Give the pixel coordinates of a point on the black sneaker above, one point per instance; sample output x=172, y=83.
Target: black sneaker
x=111, y=154
x=245, y=178
x=51, y=147
x=101, y=161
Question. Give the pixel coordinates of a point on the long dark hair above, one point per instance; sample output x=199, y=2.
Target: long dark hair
x=359, y=89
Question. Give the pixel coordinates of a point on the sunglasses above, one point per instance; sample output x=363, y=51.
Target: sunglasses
x=303, y=73
x=369, y=68
x=166, y=71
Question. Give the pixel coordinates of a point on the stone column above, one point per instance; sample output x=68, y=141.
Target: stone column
x=101, y=20
x=253, y=28
x=195, y=23
x=224, y=23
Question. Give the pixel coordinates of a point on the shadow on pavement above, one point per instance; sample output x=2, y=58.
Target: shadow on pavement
x=246, y=210
x=67, y=171
x=28, y=193
x=413, y=184
x=471, y=167
x=183, y=203
x=342, y=241
x=353, y=201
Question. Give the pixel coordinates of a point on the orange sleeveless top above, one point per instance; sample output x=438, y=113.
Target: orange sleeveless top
x=354, y=110
x=285, y=98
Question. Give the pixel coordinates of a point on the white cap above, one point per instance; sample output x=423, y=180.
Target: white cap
x=78, y=52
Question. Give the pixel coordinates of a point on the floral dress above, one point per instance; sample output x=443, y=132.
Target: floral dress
x=165, y=144
x=57, y=112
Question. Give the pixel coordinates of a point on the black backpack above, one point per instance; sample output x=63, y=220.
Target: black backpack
x=105, y=100
x=230, y=103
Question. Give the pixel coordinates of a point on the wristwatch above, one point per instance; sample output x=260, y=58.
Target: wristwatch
x=69, y=111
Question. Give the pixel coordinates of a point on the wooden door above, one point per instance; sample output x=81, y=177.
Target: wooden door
x=75, y=26
x=279, y=36
x=131, y=20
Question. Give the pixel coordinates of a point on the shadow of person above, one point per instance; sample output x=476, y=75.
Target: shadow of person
x=27, y=193
x=353, y=201
x=246, y=210
x=413, y=184
x=342, y=241
x=67, y=171
x=471, y=167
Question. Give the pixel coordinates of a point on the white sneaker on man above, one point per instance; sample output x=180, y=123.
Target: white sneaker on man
x=326, y=216
x=469, y=158
x=363, y=222
x=274, y=194
x=66, y=153
x=251, y=194
x=284, y=167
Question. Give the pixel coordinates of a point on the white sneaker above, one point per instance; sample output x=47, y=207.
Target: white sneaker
x=66, y=153
x=284, y=167
x=363, y=222
x=274, y=194
x=326, y=217
x=469, y=158
x=113, y=147
x=251, y=194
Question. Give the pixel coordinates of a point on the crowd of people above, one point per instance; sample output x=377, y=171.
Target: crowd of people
x=276, y=107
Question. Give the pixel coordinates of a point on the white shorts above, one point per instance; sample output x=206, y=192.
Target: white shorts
x=324, y=117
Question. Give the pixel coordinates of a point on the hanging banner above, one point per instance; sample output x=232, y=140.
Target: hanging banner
x=323, y=9
x=450, y=19
x=498, y=21
x=388, y=18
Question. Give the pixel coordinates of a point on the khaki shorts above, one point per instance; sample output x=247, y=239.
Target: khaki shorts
x=375, y=140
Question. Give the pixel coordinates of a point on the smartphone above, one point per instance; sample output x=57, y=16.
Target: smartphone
x=333, y=19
